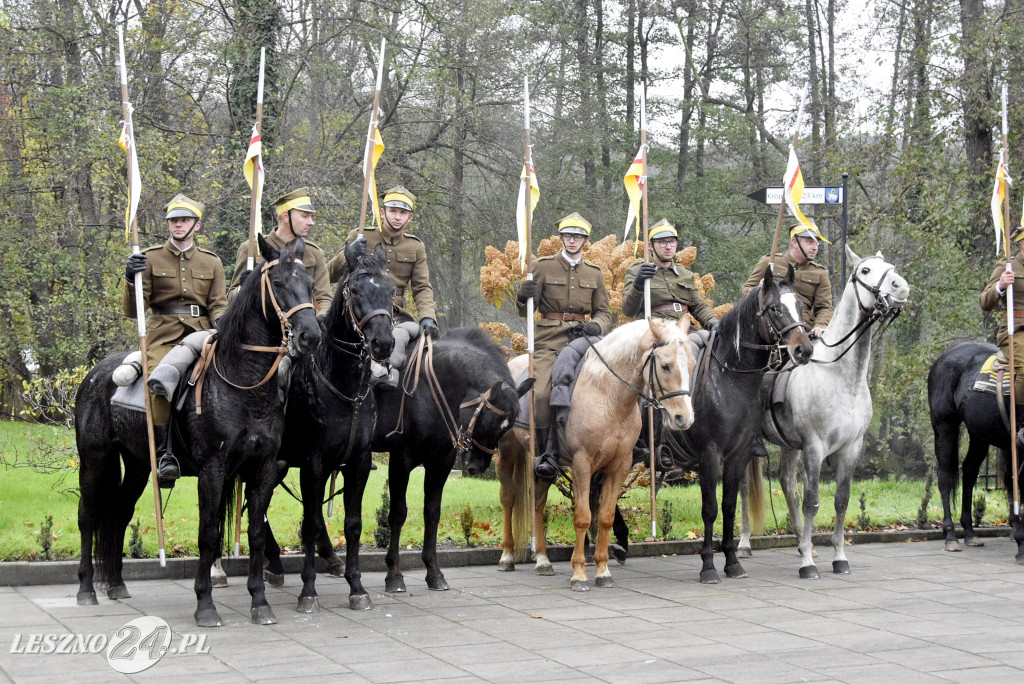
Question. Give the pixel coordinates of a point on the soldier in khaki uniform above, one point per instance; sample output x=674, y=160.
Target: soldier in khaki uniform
x=571, y=299
x=673, y=292
x=294, y=219
x=406, y=257
x=183, y=285
x=812, y=283
x=994, y=297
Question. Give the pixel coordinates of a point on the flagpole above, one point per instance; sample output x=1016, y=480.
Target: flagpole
x=530, y=332
x=1010, y=328
x=782, y=204
x=140, y=307
x=368, y=154
x=254, y=203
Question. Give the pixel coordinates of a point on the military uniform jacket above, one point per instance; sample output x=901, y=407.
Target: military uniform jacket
x=991, y=298
x=812, y=285
x=567, y=289
x=176, y=279
x=671, y=285
x=406, y=263
x=313, y=260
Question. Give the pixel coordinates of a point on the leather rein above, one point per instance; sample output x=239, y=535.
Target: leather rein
x=653, y=379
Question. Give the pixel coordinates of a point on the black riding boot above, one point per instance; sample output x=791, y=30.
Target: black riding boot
x=167, y=465
x=546, y=467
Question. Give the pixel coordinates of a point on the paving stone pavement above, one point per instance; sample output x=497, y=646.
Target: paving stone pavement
x=909, y=612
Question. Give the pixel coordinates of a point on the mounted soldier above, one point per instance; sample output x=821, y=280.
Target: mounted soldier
x=183, y=286
x=994, y=297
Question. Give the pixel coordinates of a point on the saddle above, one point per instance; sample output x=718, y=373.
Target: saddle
x=164, y=380
x=563, y=379
x=991, y=378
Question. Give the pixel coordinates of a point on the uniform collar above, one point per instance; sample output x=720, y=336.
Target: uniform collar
x=178, y=253
x=569, y=261
x=674, y=267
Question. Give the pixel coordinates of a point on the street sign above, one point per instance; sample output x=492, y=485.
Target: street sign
x=832, y=195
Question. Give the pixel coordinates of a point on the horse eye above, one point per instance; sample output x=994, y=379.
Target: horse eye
x=664, y=367
x=865, y=270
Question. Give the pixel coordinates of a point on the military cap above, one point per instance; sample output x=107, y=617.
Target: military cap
x=183, y=206
x=1017, y=234
x=296, y=199
x=807, y=230
x=399, y=197
x=661, y=230
x=574, y=223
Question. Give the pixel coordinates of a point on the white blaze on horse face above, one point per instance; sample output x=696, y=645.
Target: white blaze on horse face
x=789, y=301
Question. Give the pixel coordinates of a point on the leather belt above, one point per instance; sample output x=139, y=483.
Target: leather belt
x=674, y=306
x=555, y=316
x=1018, y=313
x=193, y=310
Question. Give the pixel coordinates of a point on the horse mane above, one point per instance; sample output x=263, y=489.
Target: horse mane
x=623, y=346
x=234, y=323
x=473, y=348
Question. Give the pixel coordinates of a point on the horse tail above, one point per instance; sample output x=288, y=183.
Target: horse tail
x=100, y=501
x=756, y=480
x=522, y=508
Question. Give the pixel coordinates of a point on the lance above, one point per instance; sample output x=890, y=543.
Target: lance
x=1009, y=306
x=140, y=305
x=782, y=205
x=528, y=247
x=368, y=154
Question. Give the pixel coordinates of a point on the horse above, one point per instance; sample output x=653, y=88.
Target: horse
x=826, y=406
x=237, y=432
x=747, y=343
x=648, y=358
x=952, y=403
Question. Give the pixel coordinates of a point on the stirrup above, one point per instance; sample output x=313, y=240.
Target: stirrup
x=545, y=469
x=169, y=471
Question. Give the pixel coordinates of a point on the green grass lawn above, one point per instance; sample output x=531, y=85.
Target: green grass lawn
x=29, y=493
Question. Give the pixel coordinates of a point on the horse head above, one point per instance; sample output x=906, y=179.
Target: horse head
x=668, y=367
x=487, y=417
x=780, y=316
x=368, y=292
x=878, y=286
x=285, y=282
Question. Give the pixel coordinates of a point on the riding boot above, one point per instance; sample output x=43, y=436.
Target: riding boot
x=546, y=467
x=641, y=454
x=167, y=464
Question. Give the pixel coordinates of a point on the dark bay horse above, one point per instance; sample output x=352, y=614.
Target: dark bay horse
x=748, y=342
x=238, y=433
x=953, y=403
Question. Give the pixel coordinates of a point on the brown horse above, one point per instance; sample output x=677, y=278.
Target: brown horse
x=644, y=358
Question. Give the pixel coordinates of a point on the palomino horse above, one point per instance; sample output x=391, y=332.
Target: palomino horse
x=827, y=405
x=649, y=358
x=238, y=432
x=749, y=341
x=953, y=402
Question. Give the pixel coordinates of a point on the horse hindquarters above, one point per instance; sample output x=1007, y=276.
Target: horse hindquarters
x=514, y=477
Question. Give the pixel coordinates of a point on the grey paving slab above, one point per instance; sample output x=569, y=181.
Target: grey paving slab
x=908, y=612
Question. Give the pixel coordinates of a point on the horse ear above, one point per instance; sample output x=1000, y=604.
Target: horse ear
x=769, y=274
x=299, y=248
x=791, y=274
x=852, y=257
x=525, y=386
x=684, y=323
x=656, y=329
x=354, y=250
x=379, y=255
x=267, y=250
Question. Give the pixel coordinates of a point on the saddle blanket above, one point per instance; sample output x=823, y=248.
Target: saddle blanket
x=988, y=377
x=163, y=379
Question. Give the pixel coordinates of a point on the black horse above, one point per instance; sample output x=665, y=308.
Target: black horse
x=952, y=403
x=238, y=432
x=331, y=414
x=748, y=341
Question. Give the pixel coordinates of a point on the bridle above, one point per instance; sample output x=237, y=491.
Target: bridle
x=771, y=328
x=650, y=367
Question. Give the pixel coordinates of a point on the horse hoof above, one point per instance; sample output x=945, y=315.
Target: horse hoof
x=545, y=569
x=1019, y=558
x=208, y=618
x=87, y=598
x=579, y=585
x=745, y=552
x=604, y=581
x=220, y=581
x=841, y=567
x=618, y=553
x=809, y=572
x=735, y=571
x=118, y=592
x=437, y=583
x=274, y=579
x=262, y=615
x=336, y=567
x=974, y=541
x=394, y=585
x=506, y=566
x=952, y=545
x=709, y=576
x=360, y=602
x=308, y=604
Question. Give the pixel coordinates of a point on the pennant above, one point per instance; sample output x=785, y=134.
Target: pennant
x=254, y=167
x=378, y=150
x=998, y=195
x=635, y=178
x=524, y=178
x=127, y=143
x=793, y=187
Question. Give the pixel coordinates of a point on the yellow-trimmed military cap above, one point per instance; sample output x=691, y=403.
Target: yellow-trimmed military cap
x=661, y=230
x=1017, y=234
x=800, y=230
x=183, y=206
x=399, y=197
x=296, y=199
x=574, y=223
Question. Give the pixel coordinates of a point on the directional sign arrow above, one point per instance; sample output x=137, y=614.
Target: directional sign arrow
x=823, y=195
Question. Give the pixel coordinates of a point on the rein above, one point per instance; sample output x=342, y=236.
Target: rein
x=653, y=379
x=767, y=329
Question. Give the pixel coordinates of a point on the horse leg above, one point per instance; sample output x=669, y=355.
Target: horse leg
x=606, y=517
x=434, y=478
x=311, y=483
x=708, y=473
x=506, y=492
x=325, y=548
x=398, y=482
x=98, y=482
x=620, y=549
x=847, y=462
x=128, y=493
x=356, y=474
x=1015, y=519
x=947, y=463
x=258, y=495
x=811, y=459
x=734, y=474
x=581, y=523
x=977, y=450
x=273, y=573
x=543, y=565
x=744, y=549
x=211, y=509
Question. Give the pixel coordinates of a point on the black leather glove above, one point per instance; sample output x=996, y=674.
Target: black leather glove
x=591, y=329
x=136, y=263
x=527, y=290
x=429, y=328
x=646, y=272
